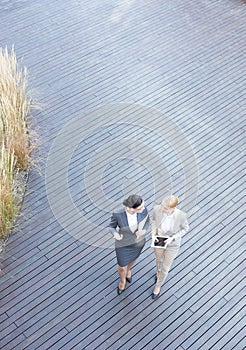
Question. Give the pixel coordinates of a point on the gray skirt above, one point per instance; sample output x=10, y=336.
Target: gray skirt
x=128, y=253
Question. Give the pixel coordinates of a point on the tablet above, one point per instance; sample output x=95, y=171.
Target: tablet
x=161, y=242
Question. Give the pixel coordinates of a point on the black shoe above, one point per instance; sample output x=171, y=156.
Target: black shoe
x=155, y=296
x=120, y=291
x=129, y=279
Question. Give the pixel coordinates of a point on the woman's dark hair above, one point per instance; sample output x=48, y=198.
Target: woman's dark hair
x=133, y=201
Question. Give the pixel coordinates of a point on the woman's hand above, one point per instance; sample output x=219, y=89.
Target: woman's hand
x=154, y=239
x=139, y=233
x=169, y=240
x=117, y=236
x=161, y=233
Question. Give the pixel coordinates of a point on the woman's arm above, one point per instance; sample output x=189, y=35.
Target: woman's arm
x=113, y=227
x=143, y=226
x=153, y=226
x=184, y=228
x=147, y=223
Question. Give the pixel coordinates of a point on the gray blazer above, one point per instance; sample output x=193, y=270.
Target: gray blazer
x=179, y=228
x=119, y=223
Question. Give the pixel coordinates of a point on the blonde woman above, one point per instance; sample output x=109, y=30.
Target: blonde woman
x=171, y=223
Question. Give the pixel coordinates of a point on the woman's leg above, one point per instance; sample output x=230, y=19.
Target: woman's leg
x=128, y=269
x=122, y=273
x=164, y=264
x=159, y=256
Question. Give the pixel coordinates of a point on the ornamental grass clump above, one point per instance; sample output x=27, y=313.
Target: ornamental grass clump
x=15, y=143
x=8, y=205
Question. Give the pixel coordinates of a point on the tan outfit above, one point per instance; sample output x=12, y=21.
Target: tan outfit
x=178, y=227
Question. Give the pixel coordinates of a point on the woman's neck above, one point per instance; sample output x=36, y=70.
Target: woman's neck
x=129, y=212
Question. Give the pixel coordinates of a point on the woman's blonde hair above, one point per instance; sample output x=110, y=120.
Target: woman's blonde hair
x=170, y=201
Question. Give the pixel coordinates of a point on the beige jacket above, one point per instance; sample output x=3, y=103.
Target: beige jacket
x=178, y=228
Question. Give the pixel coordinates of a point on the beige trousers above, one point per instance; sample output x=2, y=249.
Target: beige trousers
x=164, y=259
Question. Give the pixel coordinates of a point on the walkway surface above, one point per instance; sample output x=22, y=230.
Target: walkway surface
x=136, y=97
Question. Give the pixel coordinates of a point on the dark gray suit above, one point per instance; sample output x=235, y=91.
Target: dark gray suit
x=129, y=247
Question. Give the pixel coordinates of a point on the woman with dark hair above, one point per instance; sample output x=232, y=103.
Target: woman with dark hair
x=129, y=227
